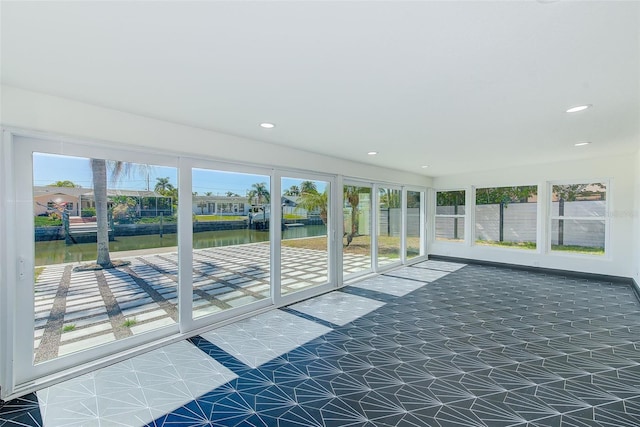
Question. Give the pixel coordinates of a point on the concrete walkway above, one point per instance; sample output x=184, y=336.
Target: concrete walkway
x=79, y=310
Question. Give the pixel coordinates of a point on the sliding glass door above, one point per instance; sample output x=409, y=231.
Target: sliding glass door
x=389, y=226
x=231, y=255
x=415, y=224
x=356, y=245
x=115, y=250
x=97, y=250
x=305, y=220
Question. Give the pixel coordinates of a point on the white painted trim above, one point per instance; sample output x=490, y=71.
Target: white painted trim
x=276, y=238
x=338, y=232
x=366, y=184
x=185, y=240
x=7, y=266
x=403, y=225
x=59, y=369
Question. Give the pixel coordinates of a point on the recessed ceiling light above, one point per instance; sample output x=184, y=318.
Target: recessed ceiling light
x=424, y=166
x=267, y=125
x=583, y=143
x=578, y=108
x=372, y=153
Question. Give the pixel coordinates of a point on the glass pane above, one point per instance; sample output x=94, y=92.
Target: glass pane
x=105, y=251
x=579, y=200
x=305, y=250
x=449, y=229
x=450, y=202
x=507, y=216
x=389, y=226
x=413, y=224
x=231, y=251
x=578, y=236
x=356, y=252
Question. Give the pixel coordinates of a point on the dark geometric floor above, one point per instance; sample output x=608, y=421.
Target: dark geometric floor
x=480, y=346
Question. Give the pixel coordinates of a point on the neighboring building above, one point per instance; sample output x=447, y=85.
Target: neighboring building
x=220, y=205
x=49, y=198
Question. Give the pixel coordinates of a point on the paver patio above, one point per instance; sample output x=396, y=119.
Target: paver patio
x=75, y=310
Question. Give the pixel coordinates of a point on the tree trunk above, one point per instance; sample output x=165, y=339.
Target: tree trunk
x=354, y=220
x=99, y=170
x=502, y=221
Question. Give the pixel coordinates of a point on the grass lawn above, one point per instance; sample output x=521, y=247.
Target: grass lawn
x=293, y=216
x=45, y=221
x=361, y=245
x=517, y=245
x=37, y=272
x=208, y=218
x=591, y=250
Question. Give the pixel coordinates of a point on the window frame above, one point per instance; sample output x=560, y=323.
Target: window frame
x=422, y=223
x=606, y=218
x=538, y=227
x=464, y=216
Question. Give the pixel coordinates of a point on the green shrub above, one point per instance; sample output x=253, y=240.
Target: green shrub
x=88, y=212
x=47, y=221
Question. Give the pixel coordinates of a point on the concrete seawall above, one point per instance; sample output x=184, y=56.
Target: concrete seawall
x=44, y=234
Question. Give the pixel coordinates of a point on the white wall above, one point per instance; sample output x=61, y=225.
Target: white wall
x=636, y=223
x=35, y=111
x=619, y=170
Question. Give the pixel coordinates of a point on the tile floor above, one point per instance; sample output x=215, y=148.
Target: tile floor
x=435, y=344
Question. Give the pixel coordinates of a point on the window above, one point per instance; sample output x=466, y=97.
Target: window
x=356, y=251
x=389, y=225
x=184, y=243
x=103, y=304
x=231, y=251
x=506, y=216
x=305, y=205
x=450, y=215
x=579, y=218
x=414, y=224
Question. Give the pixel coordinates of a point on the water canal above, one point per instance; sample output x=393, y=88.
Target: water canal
x=56, y=251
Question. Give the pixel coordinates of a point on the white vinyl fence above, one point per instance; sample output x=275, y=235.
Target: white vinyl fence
x=520, y=223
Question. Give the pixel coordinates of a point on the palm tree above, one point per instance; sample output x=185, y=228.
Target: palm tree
x=163, y=185
x=311, y=201
x=259, y=191
x=352, y=196
x=99, y=177
x=294, y=190
x=308, y=187
x=99, y=172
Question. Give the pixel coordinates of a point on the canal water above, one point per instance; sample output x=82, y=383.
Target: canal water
x=56, y=251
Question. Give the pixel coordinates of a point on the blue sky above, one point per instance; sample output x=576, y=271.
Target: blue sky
x=48, y=168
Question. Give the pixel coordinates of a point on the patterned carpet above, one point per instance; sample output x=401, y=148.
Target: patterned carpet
x=435, y=344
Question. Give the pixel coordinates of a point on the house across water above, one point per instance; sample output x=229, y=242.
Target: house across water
x=80, y=201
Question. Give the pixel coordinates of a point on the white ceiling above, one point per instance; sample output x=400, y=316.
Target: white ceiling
x=458, y=86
